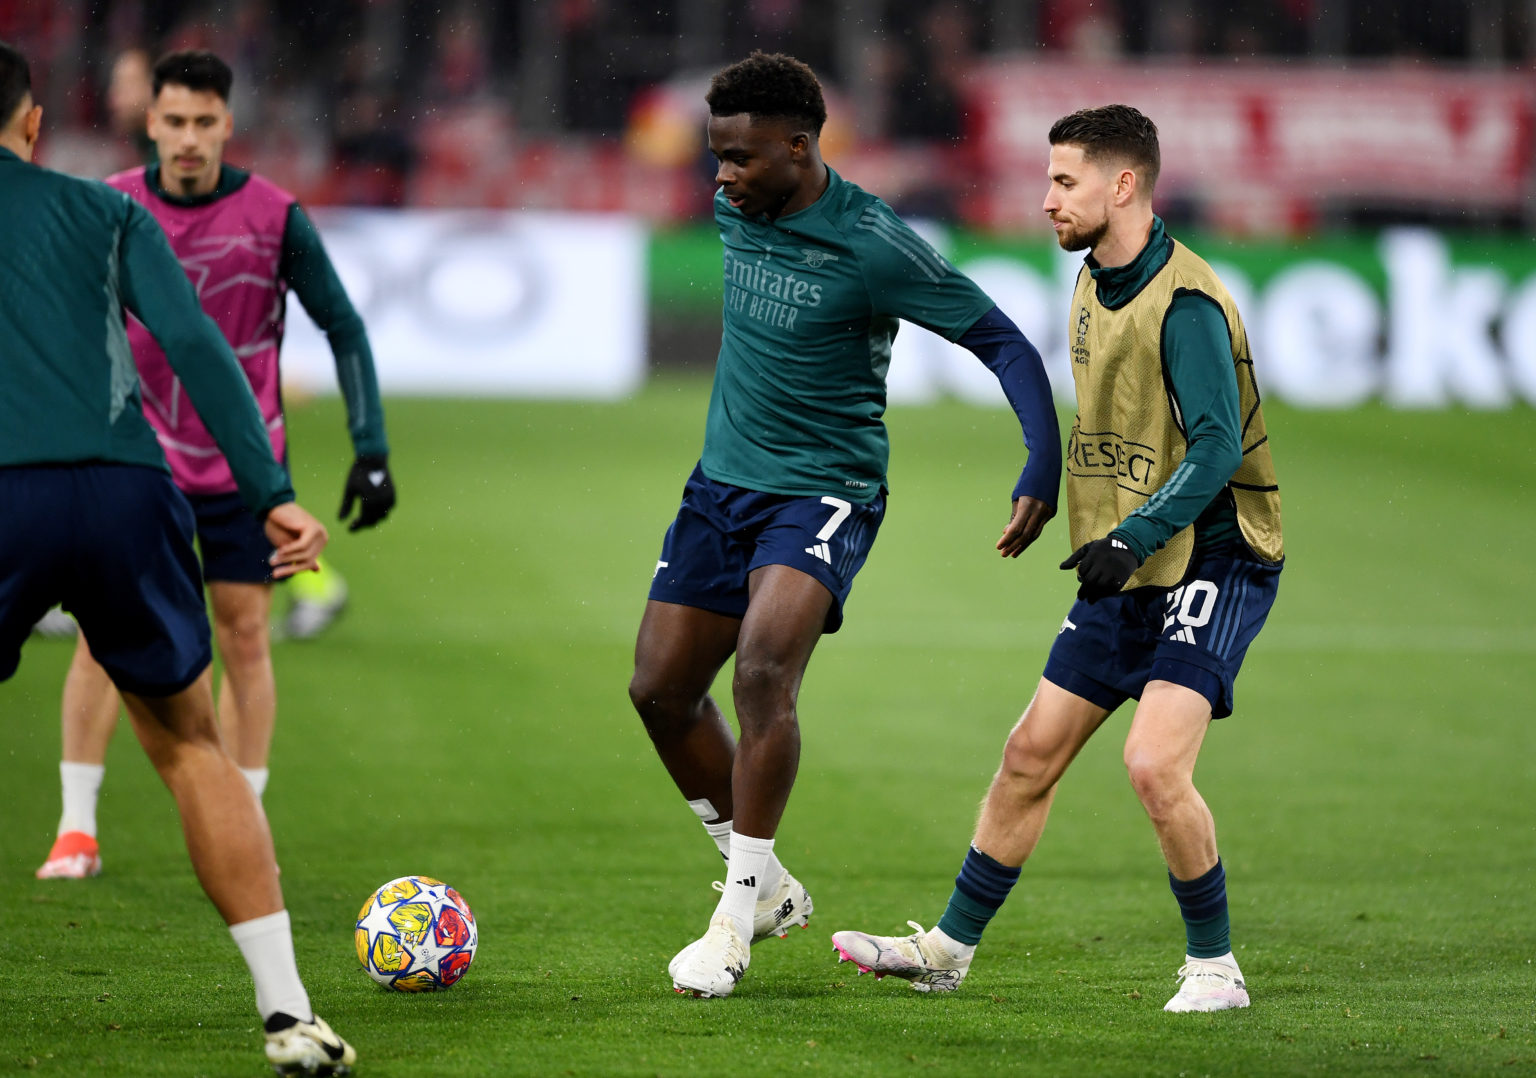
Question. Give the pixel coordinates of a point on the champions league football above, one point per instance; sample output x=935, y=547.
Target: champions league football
x=416, y=934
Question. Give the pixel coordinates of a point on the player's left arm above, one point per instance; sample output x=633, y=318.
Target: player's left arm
x=1008, y=354
x=907, y=278
x=1197, y=354
x=309, y=272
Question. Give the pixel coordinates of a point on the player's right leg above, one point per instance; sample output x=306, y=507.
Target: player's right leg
x=225, y=830
x=88, y=719
x=231, y=851
x=136, y=592
x=693, y=614
x=1047, y=738
x=678, y=651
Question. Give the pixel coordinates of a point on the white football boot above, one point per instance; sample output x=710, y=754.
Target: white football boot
x=789, y=906
x=1209, y=985
x=307, y=1048
x=922, y=958
x=711, y=965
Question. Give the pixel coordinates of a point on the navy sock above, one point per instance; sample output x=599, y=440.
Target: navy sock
x=980, y=889
x=1203, y=902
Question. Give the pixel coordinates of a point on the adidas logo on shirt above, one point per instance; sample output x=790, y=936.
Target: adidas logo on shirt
x=822, y=551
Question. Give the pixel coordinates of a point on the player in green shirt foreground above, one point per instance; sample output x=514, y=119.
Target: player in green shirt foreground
x=1175, y=523
x=93, y=521
x=790, y=489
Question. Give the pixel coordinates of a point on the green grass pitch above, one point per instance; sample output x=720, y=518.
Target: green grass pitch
x=1375, y=794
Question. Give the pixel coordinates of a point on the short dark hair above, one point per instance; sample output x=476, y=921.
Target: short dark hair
x=770, y=85
x=1113, y=132
x=196, y=69
x=15, y=82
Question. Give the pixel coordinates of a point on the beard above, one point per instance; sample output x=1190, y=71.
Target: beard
x=1082, y=239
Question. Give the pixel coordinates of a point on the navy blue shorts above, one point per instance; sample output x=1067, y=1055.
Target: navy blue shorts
x=113, y=544
x=723, y=532
x=232, y=542
x=1194, y=635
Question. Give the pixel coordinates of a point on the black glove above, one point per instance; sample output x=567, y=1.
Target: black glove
x=369, y=484
x=1103, y=566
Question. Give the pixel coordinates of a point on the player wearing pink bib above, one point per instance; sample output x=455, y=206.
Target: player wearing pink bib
x=231, y=246
x=243, y=242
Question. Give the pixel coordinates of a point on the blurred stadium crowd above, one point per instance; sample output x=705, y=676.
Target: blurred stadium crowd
x=596, y=104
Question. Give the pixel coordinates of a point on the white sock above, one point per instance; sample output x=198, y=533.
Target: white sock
x=720, y=832
x=257, y=777
x=267, y=944
x=773, y=872
x=959, y=950
x=1228, y=959
x=747, y=865
x=81, y=784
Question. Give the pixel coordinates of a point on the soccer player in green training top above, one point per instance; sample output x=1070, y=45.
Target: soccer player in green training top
x=790, y=489
x=93, y=520
x=1175, y=519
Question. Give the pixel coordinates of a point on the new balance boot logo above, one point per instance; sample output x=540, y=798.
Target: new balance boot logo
x=822, y=551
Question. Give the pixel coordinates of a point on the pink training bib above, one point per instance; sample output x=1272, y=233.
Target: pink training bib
x=231, y=250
